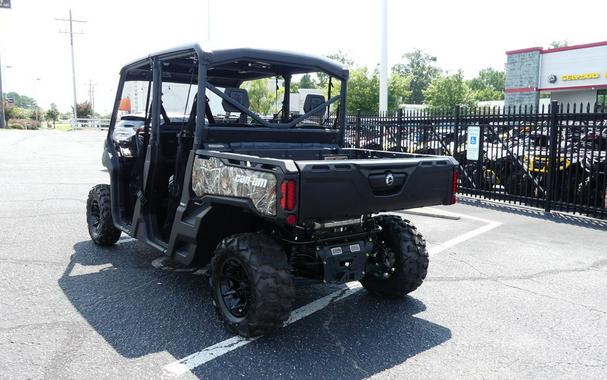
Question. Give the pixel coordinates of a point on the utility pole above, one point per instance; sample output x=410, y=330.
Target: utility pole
x=383, y=67
x=3, y=4
x=92, y=98
x=71, y=32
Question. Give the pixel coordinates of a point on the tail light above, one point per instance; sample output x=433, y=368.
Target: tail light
x=287, y=202
x=287, y=188
x=454, y=181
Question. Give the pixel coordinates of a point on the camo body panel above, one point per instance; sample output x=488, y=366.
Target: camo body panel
x=211, y=177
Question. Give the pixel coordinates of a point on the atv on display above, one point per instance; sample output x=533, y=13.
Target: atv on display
x=207, y=180
x=592, y=184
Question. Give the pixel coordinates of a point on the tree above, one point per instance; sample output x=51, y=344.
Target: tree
x=488, y=85
x=14, y=112
x=339, y=56
x=262, y=99
x=36, y=113
x=420, y=67
x=84, y=110
x=21, y=101
x=52, y=114
x=399, y=91
x=487, y=94
x=449, y=91
x=363, y=91
x=558, y=44
x=307, y=82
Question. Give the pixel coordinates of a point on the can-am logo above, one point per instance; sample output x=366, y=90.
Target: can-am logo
x=253, y=181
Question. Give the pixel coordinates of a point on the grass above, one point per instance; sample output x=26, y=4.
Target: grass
x=63, y=126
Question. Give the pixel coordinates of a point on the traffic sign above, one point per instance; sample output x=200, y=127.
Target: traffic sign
x=474, y=134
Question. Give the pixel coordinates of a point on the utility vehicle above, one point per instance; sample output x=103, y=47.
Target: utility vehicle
x=257, y=195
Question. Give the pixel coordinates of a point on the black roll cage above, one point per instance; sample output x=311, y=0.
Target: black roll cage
x=288, y=63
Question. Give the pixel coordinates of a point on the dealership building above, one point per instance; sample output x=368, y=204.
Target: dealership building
x=571, y=74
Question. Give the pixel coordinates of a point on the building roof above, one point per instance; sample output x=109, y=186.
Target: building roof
x=555, y=50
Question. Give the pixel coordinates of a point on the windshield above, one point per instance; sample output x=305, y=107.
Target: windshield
x=311, y=101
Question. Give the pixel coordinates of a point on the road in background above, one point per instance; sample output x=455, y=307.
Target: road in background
x=523, y=300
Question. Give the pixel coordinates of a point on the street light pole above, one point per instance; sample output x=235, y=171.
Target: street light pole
x=36, y=100
x=209, y=22
x=3, y=92
x=2, y=121
x=383, y=67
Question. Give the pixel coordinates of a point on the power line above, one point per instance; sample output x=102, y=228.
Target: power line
x=71, y=32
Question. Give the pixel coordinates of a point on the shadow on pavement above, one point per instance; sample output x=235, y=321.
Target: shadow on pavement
x=556, y=217
x=140, y=310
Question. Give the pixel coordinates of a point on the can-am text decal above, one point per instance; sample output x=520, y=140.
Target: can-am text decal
x=211, y=177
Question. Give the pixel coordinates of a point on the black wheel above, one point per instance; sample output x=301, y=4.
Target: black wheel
x=516, y=183
x=99, y=216
x=400, y=262
x=589, y=195
x=251, y=284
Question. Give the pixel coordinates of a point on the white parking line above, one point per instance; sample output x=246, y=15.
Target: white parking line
x=462, y=238
x=199, y=358
x=212, y=352
x=126, y=239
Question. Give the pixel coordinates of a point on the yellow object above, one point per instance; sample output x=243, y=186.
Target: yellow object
x=543, y=167
x=581, y=76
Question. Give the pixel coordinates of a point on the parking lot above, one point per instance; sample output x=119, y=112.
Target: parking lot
x=511, y=293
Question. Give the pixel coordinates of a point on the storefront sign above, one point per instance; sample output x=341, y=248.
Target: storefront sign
x=581, y=76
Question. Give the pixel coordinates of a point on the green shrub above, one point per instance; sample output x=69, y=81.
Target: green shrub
x=23, y=124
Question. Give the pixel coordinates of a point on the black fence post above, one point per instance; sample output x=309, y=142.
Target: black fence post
x=552, y=150
x=382, y=129
x=357, y=141
x=481, y=158
x=399, y=131
x=455, y=130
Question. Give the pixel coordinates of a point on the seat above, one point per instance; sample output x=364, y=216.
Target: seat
x=312, y=101
x=241, y=96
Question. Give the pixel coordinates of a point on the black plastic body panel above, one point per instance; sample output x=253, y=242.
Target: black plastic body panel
x=345, y=188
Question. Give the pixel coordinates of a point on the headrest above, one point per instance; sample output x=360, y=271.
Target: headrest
x=312, y=101
x=240, y=95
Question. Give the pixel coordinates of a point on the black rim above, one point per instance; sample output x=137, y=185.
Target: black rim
x=384, y=261
x=94, y=216
x=234, y=288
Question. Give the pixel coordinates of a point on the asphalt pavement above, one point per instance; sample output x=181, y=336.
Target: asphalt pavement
x=511, y=293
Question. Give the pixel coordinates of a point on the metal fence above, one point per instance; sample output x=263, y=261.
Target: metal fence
x=90, y=123
x=554, y=157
